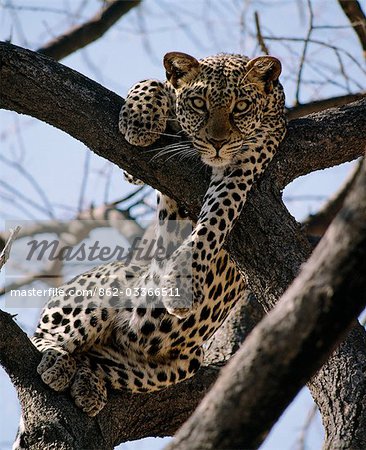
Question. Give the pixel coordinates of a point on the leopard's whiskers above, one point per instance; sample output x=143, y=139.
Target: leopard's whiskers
x=165, y=134
x=169, y=151
x=188, y=154
x=166, y=147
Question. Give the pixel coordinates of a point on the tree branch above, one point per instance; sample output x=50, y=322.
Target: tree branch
x=284, y=350
x=88, y=32
x=5, y=252
x=339, y=391
x=89, y=112
x=356, y=16
x=317, y=224
x=261, y=41
x=304, y=109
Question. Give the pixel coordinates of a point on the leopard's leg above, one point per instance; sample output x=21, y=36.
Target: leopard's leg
x=227, y=193
x=103, y=367
x=70, y=324
x=57, y=367
x=144, y=115
x=222, y=205
x=173, y=228
x=58, y=344
x=149, y=106
x=174, y=224
x=88, y=388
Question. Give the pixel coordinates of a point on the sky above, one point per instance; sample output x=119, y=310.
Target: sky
x=131, y=51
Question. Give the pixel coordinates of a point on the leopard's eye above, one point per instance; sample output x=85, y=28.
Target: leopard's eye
x=241, y=106
x=198, y=103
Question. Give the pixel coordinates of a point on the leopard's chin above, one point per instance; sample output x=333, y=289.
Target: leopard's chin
x=216, y=161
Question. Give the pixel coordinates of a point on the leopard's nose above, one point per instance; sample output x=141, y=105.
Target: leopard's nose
x=217, y=143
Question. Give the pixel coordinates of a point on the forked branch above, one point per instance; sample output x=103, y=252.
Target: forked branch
x=291, y=342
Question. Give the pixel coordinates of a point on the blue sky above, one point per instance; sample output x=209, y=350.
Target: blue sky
x=131, y=51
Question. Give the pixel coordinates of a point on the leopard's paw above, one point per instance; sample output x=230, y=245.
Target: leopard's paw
x=144, y=115
x=181, y=313
x=57, y=368
x=89, y=391
x=177, y=302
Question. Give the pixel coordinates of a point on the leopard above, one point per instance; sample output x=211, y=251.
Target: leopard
x=230, y=113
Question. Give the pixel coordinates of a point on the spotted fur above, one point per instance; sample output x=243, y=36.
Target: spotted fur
x=231, y=109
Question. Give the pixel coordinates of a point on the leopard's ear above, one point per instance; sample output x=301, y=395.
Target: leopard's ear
x=264, y=70
x=180, y=68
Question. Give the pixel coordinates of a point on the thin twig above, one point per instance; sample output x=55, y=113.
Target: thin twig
x=301, y=441
x=318, y=42
x=129, y=196
x=303, y=56
x=107, y=187
x=16, y=165
x=13, y=201
x=84, y=180
x=24, y=198
x=260, y=39
x=343, y=71
x=5, y=253
x=18, y=24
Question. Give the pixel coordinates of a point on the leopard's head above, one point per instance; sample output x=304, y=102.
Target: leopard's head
x=221, y=100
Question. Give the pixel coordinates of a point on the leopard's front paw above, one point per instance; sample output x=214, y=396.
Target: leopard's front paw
x=144, y=115
x=181, y=313
x=89, y=391
x=57, y=368
x=177, y=299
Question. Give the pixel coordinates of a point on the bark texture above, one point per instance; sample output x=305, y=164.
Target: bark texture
x=267, y=243
x=340, y=393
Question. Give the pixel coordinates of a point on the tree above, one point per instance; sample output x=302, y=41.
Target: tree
x=257, y=244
